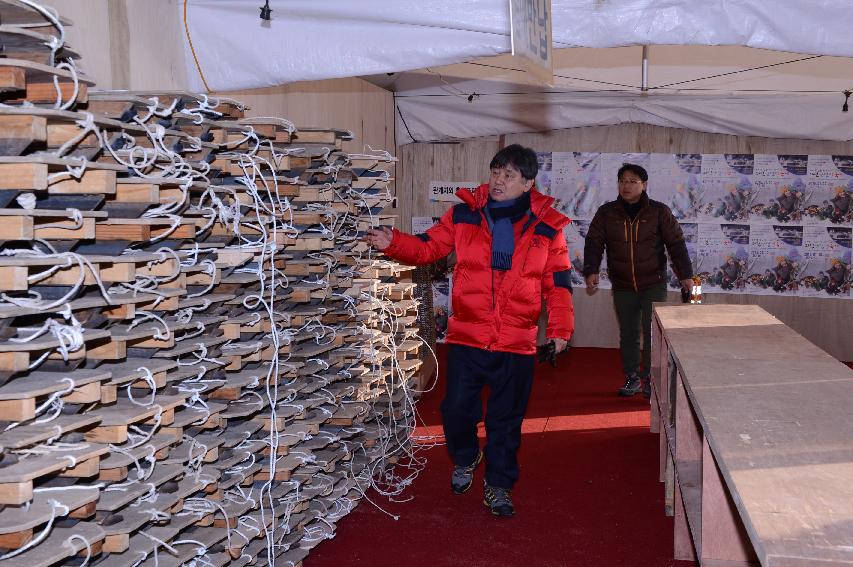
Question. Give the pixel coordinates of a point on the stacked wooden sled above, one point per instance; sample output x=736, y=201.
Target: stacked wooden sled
x=200, y=361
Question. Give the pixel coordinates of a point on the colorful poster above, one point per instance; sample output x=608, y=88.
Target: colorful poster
x=575, y=238
x=780, y=185
x=676, y=181
x=576, y=184
x=546, y=167
x=442, y=308
x=727, y=187
x=691, y=238
x=753, y=223
x=829, y=184
x=422, y=224
x=826, y=262
x=722, y=257
x=776, y=259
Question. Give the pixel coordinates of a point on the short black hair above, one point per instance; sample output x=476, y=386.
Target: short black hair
x=516, y=155
x=635, y=169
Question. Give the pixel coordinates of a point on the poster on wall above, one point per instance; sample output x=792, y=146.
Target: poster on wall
x=691, y=238
x=753, y=223
x=780, y=186
x=727, y=187
x=575, y=238
x=776, y=259
x=441, y=285
x=826, y=258
x=422, y=224
x=829, y=184
x=722, y=257
x=445, y=191
x=676, y=181
x=442, y=307
x=573, y=179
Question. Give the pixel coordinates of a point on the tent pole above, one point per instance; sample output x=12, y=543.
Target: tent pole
x=645, y=73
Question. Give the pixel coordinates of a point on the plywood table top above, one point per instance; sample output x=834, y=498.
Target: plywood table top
x=775, y=410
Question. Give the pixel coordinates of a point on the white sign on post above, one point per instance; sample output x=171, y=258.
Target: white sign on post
x=446, y=190
x=530, y=22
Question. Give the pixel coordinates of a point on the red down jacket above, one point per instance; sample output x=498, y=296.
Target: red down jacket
x=499, y=311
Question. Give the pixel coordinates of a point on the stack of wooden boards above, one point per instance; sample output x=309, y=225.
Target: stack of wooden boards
x=200, y=361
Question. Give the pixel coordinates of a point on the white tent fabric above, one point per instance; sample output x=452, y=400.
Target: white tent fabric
x=311, y=40
x=435, y=118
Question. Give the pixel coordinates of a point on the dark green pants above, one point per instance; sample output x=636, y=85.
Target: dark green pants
x=634, y=309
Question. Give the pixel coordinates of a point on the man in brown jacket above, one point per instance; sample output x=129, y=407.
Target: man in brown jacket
x=635, y=231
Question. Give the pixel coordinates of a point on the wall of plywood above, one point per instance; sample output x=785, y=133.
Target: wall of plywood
x=350, y=104
x=826, y=322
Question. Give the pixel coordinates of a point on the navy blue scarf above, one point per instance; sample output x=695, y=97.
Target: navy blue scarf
x=501, y=216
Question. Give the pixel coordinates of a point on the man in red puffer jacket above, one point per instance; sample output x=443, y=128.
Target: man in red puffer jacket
x=511, y=252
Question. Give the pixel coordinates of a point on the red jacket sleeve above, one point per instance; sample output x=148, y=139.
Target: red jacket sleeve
x=434, y=244
x=557, y=290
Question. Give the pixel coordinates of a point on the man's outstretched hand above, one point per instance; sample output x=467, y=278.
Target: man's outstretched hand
x=379, y=238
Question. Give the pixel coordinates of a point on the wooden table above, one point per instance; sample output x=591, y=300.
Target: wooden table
x=756, y=438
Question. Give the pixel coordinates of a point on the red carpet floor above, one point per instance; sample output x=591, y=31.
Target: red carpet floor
x=588, y=495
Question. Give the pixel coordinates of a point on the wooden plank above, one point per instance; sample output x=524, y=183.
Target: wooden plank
x=137, y=193
x=33, y=433
x=17, y=228
x=13, y=278
x=41, y=93
x=723, y=535
x=66, y=230
x=12, y=79
x=99, y=181
x=60, y=545
x=129, y=232
x=25, y=176
x=71, y=275
x=14, y=361
x=17, y=133
x=59, y=133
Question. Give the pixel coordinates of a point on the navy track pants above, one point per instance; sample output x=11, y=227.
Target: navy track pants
x=509, y=377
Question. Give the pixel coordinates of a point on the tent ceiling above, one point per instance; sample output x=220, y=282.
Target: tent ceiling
x=724, y=89
x=698, y=54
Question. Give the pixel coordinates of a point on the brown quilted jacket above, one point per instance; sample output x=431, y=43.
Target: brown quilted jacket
x=635, y=248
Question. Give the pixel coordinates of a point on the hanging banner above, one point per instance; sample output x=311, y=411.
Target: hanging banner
x=530, y=31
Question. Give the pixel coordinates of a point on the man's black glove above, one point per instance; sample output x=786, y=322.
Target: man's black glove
x=548, y=353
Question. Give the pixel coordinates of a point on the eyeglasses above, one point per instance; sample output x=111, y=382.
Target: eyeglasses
x=631, y=182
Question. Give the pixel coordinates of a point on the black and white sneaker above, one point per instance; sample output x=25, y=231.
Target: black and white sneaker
x=499, y=501
x=463, y=477
x=633, y=385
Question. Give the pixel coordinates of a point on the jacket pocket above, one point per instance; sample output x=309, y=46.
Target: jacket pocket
x=536, y=257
